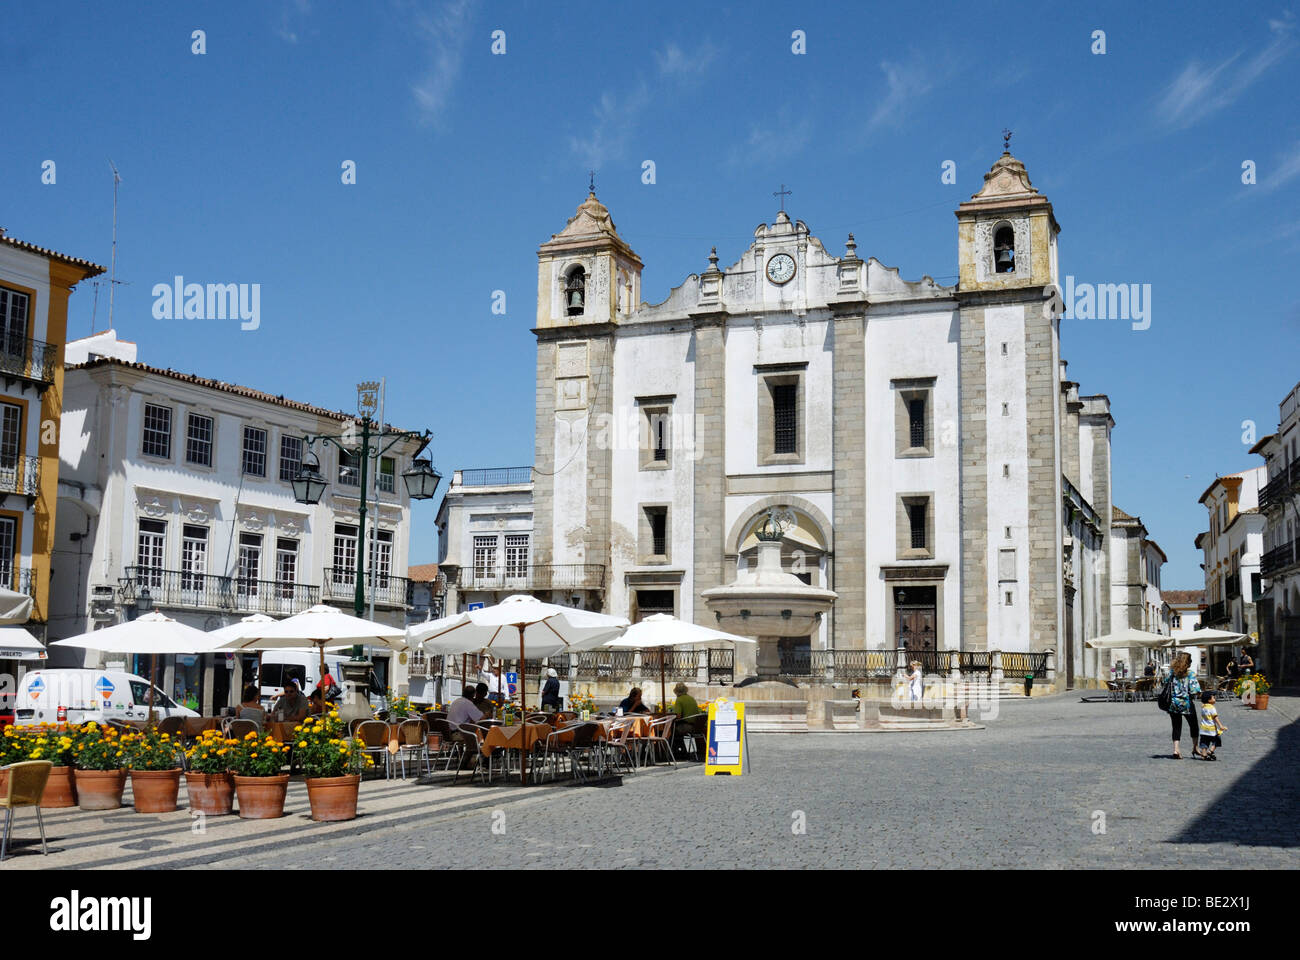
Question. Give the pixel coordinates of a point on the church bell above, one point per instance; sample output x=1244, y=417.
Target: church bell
x=1005, y=257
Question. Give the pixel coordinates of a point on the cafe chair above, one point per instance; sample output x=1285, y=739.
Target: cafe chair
x=172, y=726
x=26, y=786
x=239, y=729
x=476, y=745
x=374, y=736
x=413, y=741
x=693, y=730
x=620, y=743
x=661, y=737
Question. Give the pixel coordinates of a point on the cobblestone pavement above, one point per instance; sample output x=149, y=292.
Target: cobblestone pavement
x=1030, y=790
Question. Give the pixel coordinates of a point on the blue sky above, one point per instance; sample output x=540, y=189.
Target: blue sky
x=466, y=161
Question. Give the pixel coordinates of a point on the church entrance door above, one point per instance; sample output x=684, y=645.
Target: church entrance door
x=915, y=616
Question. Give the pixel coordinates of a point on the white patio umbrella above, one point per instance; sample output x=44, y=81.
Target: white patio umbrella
x=540, y=629
x=153, y=633
x=1210, y=638
x=249, y=626
x=14, y=607
x=1128, y=638
x=665, y=630
x=17, y=644
x=320, y=627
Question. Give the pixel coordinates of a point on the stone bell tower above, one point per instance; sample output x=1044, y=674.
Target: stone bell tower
x=588, y=280
x=1010, y=424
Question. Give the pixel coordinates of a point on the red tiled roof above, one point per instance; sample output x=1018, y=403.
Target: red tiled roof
x=423, y=572
x=1183, y=596
x=91, y=269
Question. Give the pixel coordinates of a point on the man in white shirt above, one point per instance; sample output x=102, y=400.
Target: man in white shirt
x=462, y=710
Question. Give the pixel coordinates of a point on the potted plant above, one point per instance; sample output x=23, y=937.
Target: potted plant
x=1261, y=689
x=208, y=781
x=155, y=772
x=398, y=708
x=257, y=762
x=584, y=704
x=54, y=744
x=333, y=765
x=98, y=758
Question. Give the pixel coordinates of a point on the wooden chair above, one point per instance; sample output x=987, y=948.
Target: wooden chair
x=26, y=787
x=239, y=729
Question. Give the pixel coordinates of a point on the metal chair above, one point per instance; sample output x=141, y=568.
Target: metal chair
x=172, y=726
x=620, y=742
x=694, y=729
x=413, y=741
x=374, y=735
x=661, y=735
x=239, y=729
x=26, y=786
x=478, y=733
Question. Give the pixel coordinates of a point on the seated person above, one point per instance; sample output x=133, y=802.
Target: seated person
x=685, y=705
x=292, y=705
x=316, y=705
x=250, y=707
x=480, y=698
x=632, y=702
x=463, y=710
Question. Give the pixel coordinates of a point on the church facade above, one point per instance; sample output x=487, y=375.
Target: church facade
x=945, y=477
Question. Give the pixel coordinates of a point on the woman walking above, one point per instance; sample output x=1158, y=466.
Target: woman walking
x=1183, y=688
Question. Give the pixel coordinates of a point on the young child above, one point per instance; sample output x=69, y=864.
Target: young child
x=1211, y=727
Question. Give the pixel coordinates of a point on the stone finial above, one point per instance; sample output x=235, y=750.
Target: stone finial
x=851, y=248
x=713, y=258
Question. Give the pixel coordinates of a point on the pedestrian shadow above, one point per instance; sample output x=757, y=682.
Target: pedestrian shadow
x=1249, y=811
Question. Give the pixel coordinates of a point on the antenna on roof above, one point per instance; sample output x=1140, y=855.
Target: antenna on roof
x=112, y=277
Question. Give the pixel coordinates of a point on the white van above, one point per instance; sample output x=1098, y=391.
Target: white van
x=281, y=666
x=86, y=695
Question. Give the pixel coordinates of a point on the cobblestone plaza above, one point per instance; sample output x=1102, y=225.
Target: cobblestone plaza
x=1052, y=782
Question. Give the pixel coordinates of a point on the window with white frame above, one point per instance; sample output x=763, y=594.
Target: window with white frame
x=250, y=563
x=194, y=556
x=386, y=479
x=11, y=432
x=8, y=550
x=13, y=321
x=157, y=439
x=150, y=544
x=345, y=552
x=254, y=452
x=286, y=565
x=290, y=457
x=198, y=440
x=381, y=557
x=349, y=469
x=485, y=557
x=516, y=555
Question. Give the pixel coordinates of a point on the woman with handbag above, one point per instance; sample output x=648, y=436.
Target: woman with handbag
x=1178, y=698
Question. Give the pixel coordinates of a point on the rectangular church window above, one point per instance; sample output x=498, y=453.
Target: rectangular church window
x=785, y=418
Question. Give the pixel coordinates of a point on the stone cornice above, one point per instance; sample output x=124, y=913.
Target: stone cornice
x=577, y=331
x=926, y=571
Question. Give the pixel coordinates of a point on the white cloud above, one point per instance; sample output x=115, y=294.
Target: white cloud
x=445, y=29
x=674, y=62
x=1286, y=171
x=906, y=83
x=1199, y=91
x=777, y=141
x=292, y=12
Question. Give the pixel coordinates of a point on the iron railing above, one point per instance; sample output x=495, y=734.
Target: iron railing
x=546, y=576
x=1278, y=558
x=719, y=665
x=496, y=477
x=30, y=359
x=856, y=665
x=1272, y=492
x=20, y=475
x=1020, y=664
x=185, y=588
x=26, y=581
x=388, y=591
x=1232, y=586
x=1215, y=612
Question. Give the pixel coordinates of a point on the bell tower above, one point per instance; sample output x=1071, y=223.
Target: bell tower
x=588, y=280
x=1010, y=434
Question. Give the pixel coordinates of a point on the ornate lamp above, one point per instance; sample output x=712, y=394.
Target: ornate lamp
x=421, y=480
x=308, y=484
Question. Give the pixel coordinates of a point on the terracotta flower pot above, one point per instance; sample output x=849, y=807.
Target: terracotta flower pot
x=60, y=789
x=211, y=793
x=261, y=798
x=154, y=791
x=1261, y=701
x=100, y=789
x=333, y=798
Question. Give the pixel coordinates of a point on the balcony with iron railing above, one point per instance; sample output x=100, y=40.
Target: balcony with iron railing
x=189, y=590
x=1279, y=558
x=1216, y=612
x=856, y=666
x=33, y=360
x=493, y=477
x=1272, y=494
x=544, y=576
x=20, y=475
x=1232, y=586
x=23, y=580
x=387, y=591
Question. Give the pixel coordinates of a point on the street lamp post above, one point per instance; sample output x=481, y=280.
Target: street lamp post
x=421, y=480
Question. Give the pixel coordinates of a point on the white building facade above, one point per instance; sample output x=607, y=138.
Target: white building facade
x=1232, y=548
x=944, y=475
x=179, y=486
x=1279, y=502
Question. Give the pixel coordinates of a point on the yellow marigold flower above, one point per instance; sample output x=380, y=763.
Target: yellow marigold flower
x=253, y=754
x=302, y=743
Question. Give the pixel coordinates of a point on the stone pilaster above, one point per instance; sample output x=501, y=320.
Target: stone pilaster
x=710, y=465
x=850, y=491
x=1044, y=475
x=544, y=456
x=600, y=454
x=973, y=440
